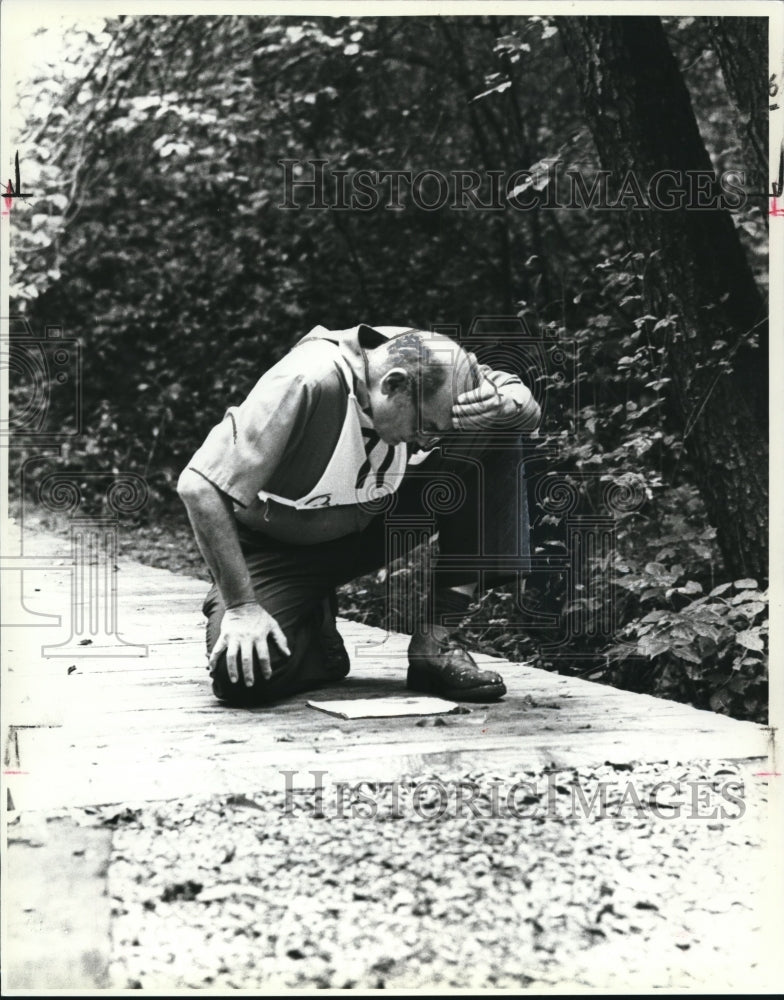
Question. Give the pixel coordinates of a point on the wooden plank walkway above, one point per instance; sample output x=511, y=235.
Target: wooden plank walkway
x=93, y=725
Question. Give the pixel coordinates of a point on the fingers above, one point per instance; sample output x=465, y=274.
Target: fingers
x=471, y=413
x=486, y=391
x=262, y=652
x=481, y=402
x=232, y=648
x=247, y=648
x=244, y=638
x=280, y=638
x=234, y=652
x=217, y=649
x=481, y=406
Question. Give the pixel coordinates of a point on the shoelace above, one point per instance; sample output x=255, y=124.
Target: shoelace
x=452, y=642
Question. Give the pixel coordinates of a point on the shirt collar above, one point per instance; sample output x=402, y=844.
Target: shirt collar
x=354, y=343
x=368, y=337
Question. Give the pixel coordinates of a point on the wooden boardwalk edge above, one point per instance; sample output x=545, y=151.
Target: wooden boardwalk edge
x=131, y=715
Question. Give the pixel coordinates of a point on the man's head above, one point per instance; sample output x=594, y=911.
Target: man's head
x=415, y=378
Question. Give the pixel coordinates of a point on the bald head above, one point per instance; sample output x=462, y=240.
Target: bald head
x=432, y=361
x=415, y=379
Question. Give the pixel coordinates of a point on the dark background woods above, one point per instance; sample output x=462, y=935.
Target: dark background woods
x=155, y=237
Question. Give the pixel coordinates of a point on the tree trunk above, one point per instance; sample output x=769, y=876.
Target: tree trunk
x=641, y=117
x=741, y=43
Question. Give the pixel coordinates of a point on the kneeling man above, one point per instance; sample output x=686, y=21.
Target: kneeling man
x=291, y=494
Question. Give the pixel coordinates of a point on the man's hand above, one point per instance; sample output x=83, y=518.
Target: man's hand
x=493, y=407
x=246, y=626
x=244, y=629
x=478, y=408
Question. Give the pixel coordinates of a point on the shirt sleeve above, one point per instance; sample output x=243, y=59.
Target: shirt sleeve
x=242, y=452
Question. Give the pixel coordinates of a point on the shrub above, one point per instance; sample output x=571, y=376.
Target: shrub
x=710, y=650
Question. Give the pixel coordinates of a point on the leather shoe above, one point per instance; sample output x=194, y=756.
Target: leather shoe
x=439, y=665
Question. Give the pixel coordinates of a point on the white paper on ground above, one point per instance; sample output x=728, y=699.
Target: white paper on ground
x=383, y=708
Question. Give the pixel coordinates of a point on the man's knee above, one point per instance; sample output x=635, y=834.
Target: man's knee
x=261, y=692
x=289, y=673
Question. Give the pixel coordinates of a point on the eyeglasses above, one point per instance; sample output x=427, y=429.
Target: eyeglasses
x=425, y=443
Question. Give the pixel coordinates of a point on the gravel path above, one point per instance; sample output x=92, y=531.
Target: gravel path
x=260, y=891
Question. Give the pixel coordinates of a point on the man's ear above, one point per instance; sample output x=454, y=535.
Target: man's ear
x=394, y=381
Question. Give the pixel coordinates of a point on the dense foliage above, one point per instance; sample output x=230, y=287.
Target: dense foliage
x=156, y=236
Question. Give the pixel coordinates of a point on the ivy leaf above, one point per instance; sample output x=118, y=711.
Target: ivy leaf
x=704, y=629
x=745, y=584
x=720, y=589
x=746, y=595
x=686, y=653
x=652, y=646
x=750, y=639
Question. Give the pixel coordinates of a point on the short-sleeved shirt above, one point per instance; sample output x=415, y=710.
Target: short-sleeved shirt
x=280, y=439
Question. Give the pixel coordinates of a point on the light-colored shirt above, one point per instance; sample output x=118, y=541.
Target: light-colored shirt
x=279, y=440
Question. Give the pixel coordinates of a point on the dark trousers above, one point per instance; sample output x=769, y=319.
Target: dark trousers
x=471, y=491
